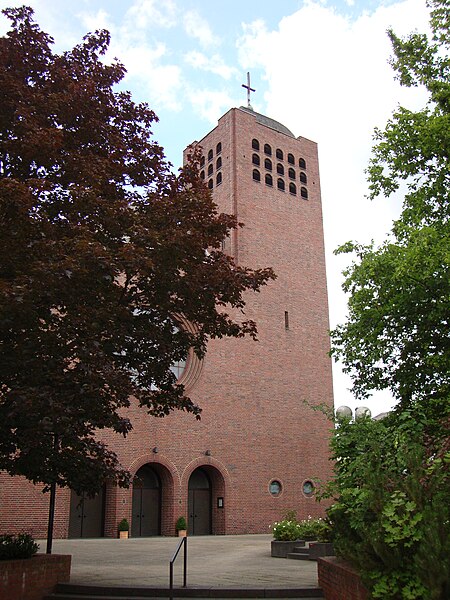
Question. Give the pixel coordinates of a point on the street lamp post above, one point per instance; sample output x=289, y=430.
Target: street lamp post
x=51, y=510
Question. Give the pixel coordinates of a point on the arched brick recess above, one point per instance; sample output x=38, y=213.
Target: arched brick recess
x=220, y=483
x=170, y=485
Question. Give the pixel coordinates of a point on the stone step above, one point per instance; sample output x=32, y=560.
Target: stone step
x=298, y=555
x=67, y=591
x=313, y=552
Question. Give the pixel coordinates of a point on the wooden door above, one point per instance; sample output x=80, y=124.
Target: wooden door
x=199, y=504
x=146, y=507
x=86, y=516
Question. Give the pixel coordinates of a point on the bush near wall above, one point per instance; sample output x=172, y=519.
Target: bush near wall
x=391, y=515
x=17, y=546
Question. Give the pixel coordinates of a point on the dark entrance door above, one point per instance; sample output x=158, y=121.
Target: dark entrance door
x=146, y=503
x=199, y=503
x=86, y=516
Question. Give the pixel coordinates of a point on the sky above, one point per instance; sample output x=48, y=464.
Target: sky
x=319, y=67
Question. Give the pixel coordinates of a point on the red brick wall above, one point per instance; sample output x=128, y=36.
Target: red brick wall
x=33, y=578
x=252, y=393
x=254, y=423
x=339, y=581
x=24, y=507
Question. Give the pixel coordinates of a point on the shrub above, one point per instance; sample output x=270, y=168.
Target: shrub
x=123, y=525
x=181, y=524
x=315, y=529
x=286, y=531
x=391, y=511
x=290, y=530
x=17, y=546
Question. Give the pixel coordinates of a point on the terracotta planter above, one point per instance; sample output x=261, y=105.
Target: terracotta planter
x=182, y=533
x=123, y=535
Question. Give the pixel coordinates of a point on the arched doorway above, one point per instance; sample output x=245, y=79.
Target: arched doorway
x=199, y=503
x=146, y=515
x=87, y=515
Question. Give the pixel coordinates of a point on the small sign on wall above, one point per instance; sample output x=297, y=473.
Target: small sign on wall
x=219, y=502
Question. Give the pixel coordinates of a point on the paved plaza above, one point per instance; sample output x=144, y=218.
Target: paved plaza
x=231, y=561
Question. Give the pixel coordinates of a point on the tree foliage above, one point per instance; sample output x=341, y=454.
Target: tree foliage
x=391, y=515
x=391, y=511
x=103, y=250
x=397, y=336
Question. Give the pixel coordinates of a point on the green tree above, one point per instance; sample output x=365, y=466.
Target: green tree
x=397, y=336
x=102, y=251
x=391, y=488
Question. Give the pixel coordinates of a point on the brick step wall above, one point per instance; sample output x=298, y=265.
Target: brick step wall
x=32, y=578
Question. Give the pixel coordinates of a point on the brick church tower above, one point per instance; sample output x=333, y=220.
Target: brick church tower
x=258, y=450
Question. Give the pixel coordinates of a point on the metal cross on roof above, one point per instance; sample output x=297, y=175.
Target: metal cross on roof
x=249, y=89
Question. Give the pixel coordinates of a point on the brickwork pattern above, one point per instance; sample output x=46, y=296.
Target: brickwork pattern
x=339, y=581
x=33, y=578
x=24, y=507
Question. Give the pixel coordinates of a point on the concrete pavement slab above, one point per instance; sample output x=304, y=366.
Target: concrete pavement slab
x=231, y=561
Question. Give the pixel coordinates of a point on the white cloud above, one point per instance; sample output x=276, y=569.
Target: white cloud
x=49, y=16
x=208, y=104
x=159, y=84
x=329, y=80
x=198, y=28
x=99, y=20
x=148, y=14
x=150, y=72
x=213, y=64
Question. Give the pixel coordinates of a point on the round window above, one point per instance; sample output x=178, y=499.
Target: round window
x=188, y=370
x=178, y=368
x=308, y=488
x=275, y=488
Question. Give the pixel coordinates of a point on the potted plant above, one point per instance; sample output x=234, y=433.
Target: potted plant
x=318, y=532
x=181, y=526
x=123, y=528
x=286, y=536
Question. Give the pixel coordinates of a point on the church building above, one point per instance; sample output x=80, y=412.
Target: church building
x=259, y=449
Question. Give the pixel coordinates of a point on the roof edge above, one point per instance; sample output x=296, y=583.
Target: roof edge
x=268, y=122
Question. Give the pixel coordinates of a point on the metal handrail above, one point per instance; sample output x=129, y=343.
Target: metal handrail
x=182, y=541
